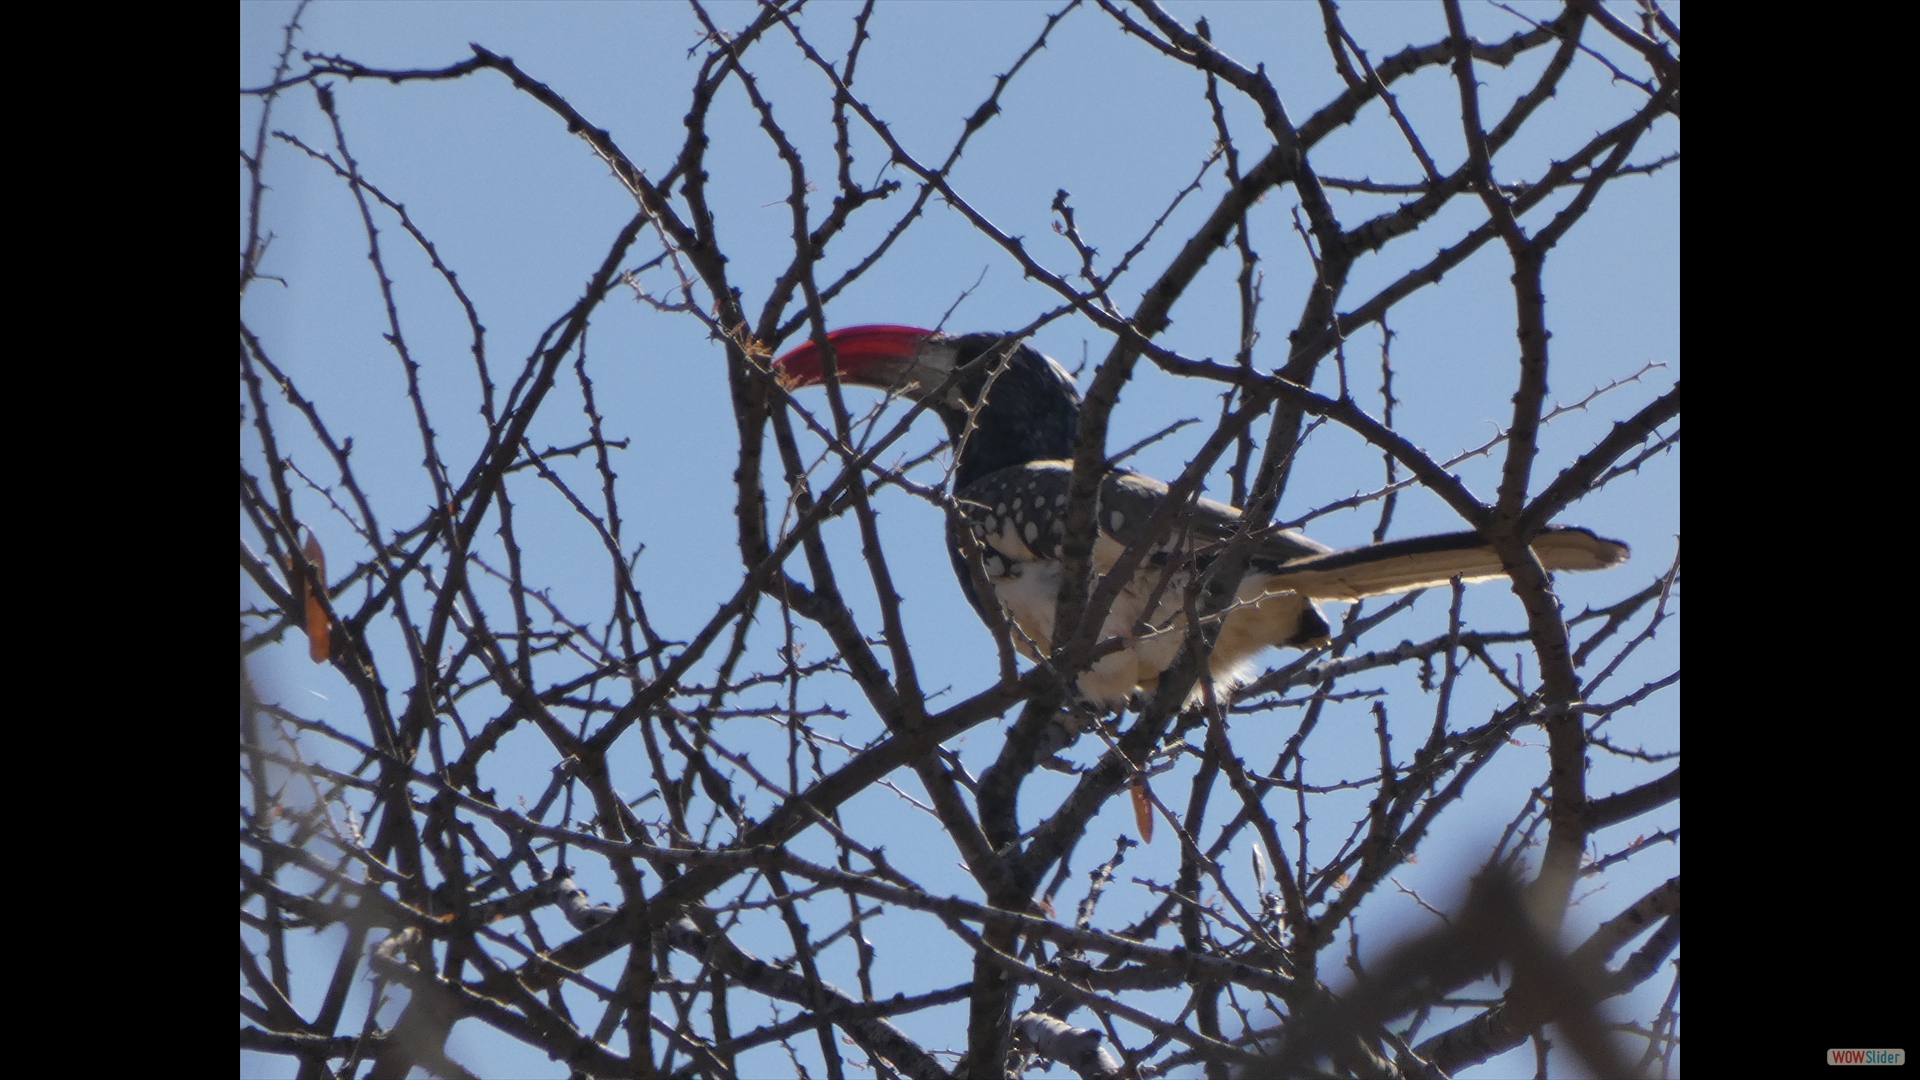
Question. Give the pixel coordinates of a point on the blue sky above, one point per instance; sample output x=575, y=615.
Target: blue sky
x=523, y=212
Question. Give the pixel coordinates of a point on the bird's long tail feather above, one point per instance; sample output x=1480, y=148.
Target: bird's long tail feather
x=1400, y=565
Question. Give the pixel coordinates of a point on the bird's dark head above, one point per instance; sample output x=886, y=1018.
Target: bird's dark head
x=1023, y=406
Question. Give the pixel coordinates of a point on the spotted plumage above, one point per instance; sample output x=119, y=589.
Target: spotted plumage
x=1018, y=515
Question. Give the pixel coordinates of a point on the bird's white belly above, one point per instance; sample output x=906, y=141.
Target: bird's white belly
x=1029, y=592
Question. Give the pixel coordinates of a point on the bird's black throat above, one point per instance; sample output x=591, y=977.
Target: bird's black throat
x=1031, y=411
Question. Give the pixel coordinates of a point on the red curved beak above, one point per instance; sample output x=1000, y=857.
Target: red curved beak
x=867, y=355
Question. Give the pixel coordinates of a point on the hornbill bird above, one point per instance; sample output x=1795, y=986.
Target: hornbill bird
x=1011, y=416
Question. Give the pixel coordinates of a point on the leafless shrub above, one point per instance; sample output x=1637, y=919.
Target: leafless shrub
x=647, y=835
